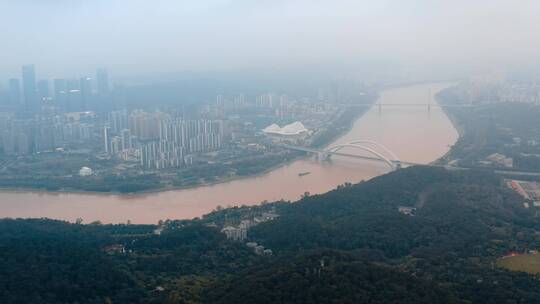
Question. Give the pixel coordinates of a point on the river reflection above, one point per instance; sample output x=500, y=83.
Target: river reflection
x=414, y=134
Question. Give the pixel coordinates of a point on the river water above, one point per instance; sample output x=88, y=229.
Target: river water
x=413, y=133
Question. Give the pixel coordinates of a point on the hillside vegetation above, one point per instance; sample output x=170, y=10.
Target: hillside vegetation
x=351, y=245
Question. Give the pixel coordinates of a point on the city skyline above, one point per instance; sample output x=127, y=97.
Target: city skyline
x=29, y=92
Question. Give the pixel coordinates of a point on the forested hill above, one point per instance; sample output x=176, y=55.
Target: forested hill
x=462, y=223
x=327, y=276
x=355, y=244
x=366, y=215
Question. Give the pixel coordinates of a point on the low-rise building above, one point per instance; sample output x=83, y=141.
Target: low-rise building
x=158, y=230
x=235, y=234
x=259, y=249
x=85, y=171
x=115, y=249
x=501, y=160
x=406, y=210
x=246, y=224
x=251, y=245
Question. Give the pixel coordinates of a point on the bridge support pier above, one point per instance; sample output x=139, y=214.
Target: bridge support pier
x=323, y=156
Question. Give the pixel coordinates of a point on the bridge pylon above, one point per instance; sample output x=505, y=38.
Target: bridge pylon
x=322, y=156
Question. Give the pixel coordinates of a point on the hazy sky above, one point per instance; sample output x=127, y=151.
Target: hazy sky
x=70, y=37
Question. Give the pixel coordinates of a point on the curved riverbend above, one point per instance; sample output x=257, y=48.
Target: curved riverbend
x=412, y=133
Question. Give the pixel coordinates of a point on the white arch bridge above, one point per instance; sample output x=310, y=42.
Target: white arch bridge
x=376, y=151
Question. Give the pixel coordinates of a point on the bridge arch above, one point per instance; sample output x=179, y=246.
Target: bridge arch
x=388, y=151
x=336, y=148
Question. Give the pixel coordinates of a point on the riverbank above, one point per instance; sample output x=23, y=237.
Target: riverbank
x=199, y=184
x=149, y=191
x=456, y=123
x=506, y=130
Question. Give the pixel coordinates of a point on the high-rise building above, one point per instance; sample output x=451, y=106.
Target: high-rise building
x=102, y=78
x=74, y=101
x=29, y=89
x=23, y=144
x=126, y=139
x=115, y=145
x=73, y=96
x=44, y=136
x=118, y=120
x=8, y=142
x=86, y=131
x=43, y=89
x=60, y=94
x=240, y=101
x=145, y=125
x=22, y=132
x=14, y=92
x=86, y=93
x=103, y=97
x=283, y=100
x=106, y=139
x=220, y=101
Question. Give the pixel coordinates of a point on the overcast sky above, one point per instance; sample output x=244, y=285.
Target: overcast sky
x=71, y=37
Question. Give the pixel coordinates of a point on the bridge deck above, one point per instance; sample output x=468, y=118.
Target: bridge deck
x=317, y=151
x=405, y=163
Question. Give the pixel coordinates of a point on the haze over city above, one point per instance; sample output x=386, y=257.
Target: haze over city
x=159, y=37
x=269, y=151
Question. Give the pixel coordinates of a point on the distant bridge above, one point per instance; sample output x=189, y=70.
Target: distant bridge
x=377, y=151
x=408, y=105
x=426, y=105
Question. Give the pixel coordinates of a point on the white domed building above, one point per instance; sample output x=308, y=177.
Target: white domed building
x=273, y=128
x=296, y=128
x=293, y=132
x=85, y=171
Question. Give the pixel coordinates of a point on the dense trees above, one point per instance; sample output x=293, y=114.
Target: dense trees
x=53, y=262
x=464, y=221
x=326, y=276
x=44, y=261
x=351, y=245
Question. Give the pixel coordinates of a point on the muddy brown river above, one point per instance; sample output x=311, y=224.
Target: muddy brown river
x=413, y=133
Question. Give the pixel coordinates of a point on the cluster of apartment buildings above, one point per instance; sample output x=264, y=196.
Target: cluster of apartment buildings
x=162, y=141
x=44, y=116
x=494, y=90
x=44, y=134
